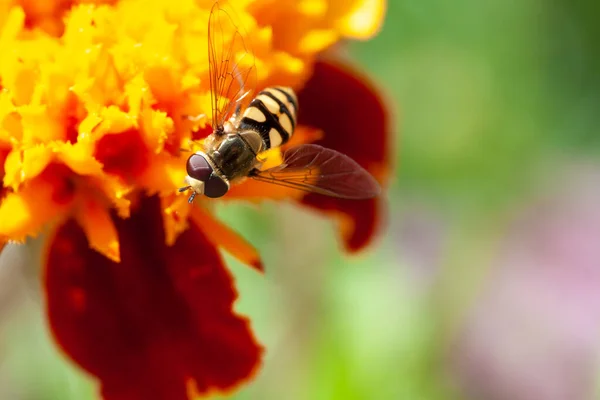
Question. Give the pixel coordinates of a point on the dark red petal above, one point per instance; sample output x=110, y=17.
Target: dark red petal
x=3, y=154
x=148, y=325
x=124, y=154
x=354, y=121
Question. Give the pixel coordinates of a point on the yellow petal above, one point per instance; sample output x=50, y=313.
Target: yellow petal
x=114, y=120
x=364, y=21
x=12, y=170
x=21, y=82
x=25, y=165
x=79, y=158
x=12, y=25
x=312, y=8
x=35, y=160
x=318, y=40
x=108, y=85
x=11, y=120
x=286, y=69
x=89, y=123
x=40, y=125
x=156, y=128
x=138, y=95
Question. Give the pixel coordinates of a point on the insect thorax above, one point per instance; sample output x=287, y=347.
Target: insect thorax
x=233, y=154
x=272, y=114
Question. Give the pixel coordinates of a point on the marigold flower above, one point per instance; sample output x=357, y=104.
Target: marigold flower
x=92, y=104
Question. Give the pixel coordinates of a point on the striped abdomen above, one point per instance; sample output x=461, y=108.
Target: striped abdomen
x=272, y=114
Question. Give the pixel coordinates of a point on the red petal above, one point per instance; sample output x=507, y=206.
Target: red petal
x=354, y=121
x=124, y=154
x=3, y=154
x=150, y=325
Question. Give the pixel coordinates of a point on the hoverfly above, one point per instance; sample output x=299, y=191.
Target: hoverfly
x=245, y=126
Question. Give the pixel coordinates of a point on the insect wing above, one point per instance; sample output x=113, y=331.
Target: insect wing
x=231, y=63
x=317, y=169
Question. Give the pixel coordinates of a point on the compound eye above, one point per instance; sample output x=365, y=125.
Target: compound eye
x=198, y=168
x=215, y=187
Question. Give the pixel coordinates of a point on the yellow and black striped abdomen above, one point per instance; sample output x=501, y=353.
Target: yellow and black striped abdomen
x=272, y=114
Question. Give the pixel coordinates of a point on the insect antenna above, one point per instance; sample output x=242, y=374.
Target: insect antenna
x=183, y=189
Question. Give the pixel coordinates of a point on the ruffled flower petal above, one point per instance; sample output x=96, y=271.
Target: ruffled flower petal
x=154, y=325
x=354, y=121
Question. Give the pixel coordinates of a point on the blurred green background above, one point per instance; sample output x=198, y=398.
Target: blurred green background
x=486, y=283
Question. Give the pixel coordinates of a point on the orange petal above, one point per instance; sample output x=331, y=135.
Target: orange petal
x=99, y=229
x=175, y=215
x=364, y=20
x=222, y=236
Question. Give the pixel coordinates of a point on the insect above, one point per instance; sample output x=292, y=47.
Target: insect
x=245, y=126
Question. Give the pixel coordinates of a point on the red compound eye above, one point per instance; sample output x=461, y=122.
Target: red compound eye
x=215, y=187
x=198, y=167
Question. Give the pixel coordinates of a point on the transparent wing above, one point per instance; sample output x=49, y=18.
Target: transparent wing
x=317, y=169
x=232, y=64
